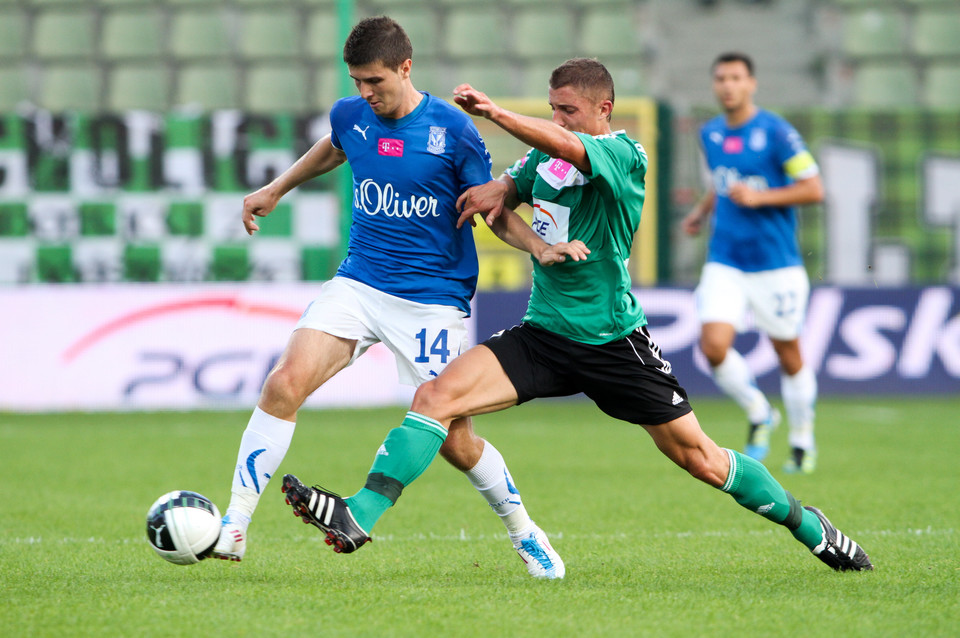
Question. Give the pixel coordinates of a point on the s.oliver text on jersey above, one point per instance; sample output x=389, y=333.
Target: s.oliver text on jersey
x=372, y=198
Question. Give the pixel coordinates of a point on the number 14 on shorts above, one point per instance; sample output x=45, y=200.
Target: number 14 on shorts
x=438, y=347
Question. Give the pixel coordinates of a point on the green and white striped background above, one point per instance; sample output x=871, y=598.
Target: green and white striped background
x=144, y=197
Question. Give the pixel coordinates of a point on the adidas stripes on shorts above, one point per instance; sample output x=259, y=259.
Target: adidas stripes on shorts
x=627, y=379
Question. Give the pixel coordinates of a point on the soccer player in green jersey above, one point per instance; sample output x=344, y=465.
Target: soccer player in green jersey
x=584, y=330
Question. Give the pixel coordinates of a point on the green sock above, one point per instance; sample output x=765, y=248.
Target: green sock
x=751, y=485
x=406, y=452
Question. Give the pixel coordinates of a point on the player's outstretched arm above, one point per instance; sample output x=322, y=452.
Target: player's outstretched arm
x=514, y=230
x=543, y=135
x=692, y=224
x=804, y=191
x=321, y=158
x=487, y=200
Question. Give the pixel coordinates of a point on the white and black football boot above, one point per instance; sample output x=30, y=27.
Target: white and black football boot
x=837, y=550
x=327, y=511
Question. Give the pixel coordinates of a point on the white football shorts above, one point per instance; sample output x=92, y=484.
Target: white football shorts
x=776, y=299
x=424, y=338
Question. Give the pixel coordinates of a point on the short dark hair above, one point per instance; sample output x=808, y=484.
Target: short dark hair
x=733, y=56
x=585, y=74
x=378, y=39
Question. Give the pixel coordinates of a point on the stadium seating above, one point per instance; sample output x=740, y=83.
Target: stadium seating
x=230, y=263
x=430, y=76
x=133, y=34
x=14, y=87
x=874, y=32
x=886, y=86
x=628, y=78
x=539, y=34
x=67, y=34
x=609, y=32
x=519, y=41
x=936, y=32
x=269, y=33
x=942, y=87
x=494, y=80
x=318, y=263
x=200, y=33
x=536, y=77
x=207, y=86
x=13, y=34
x=475, y=33
x=55, y=264
x=421, y=25
x=326, y=85
x=141, y=262
x=323, y=38
x=139, y=86
x=271, y=88
x=68, y=87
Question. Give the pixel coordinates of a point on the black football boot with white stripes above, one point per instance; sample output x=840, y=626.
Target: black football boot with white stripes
x=837, y=550
x=327, y=511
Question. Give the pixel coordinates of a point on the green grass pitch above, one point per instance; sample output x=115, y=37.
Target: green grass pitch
x=649, y=551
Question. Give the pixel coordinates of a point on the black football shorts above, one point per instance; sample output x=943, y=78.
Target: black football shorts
x=627, y=379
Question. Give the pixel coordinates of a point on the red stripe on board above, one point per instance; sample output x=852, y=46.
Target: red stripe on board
x=120, y=323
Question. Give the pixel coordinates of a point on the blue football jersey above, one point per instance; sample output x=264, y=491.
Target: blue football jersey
x=766, y=152
x=407, y=176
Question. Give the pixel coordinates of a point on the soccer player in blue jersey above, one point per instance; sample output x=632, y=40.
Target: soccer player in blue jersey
x=406, y=282
x=761, y=170
x=584, y=329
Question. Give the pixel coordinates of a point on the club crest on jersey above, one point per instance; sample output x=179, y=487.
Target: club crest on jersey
x=758, y=140
x=437, y=141
x=733, y=145
x=390, y=147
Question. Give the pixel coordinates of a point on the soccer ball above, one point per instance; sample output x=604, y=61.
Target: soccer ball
x=183, y=527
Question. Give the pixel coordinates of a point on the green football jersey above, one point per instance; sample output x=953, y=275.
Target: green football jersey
x=587, y=301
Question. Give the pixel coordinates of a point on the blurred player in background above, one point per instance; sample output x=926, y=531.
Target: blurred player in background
x=584, y=330
x=760, y=170
x=406, y=282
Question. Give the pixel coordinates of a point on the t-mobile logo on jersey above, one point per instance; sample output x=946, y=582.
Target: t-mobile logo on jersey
x=733, y=145
x=560, y=168
x=389, y=147
x=372, y=198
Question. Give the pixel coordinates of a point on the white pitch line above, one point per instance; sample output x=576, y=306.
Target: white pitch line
x=465, y=537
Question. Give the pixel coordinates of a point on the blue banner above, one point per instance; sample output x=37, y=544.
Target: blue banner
x=858, y=340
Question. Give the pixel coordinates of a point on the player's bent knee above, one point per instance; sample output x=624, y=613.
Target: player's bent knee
x=431, y=399
x=715, y=353
x=282, y=389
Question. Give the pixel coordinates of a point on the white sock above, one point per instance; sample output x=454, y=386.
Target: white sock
x=262, y=448
x=799, y=398
x=734, y=377
x=492, y=479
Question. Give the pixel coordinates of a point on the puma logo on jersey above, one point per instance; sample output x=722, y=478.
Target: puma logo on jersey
x=361, y=131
